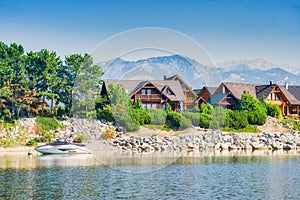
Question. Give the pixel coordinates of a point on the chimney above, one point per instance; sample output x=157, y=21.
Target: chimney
x=165, y=77
x=271, y=82
x=286, y=86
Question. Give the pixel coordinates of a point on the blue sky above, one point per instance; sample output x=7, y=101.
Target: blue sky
x=228, y=30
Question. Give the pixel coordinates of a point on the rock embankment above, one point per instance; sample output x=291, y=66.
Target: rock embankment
x=27, y=128
x=215, y=140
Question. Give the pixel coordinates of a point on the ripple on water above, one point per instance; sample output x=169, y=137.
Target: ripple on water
x=215, y=177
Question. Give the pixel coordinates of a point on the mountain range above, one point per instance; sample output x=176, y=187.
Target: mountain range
x=197, y=75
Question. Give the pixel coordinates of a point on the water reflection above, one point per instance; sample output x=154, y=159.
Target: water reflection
x=195, y=175
x=149, y=161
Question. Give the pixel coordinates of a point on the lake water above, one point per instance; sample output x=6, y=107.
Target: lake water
x=198, y=175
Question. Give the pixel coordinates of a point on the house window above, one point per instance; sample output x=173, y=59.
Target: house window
x=143, y=91
x=154, y=105
x=144, y=105
x=169, y=92
x=149, y=91
x=274, y=96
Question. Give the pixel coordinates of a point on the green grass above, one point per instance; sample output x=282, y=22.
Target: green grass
x=46, y=124
x=9, y=143
x=294, y=123
x=157, y=127
x=247, y=129
x=7, y=124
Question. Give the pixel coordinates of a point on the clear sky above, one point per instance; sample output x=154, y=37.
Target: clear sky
x=228, y=30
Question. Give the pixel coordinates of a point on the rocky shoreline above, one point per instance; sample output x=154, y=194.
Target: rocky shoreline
x=209, y=140
x=143, y=141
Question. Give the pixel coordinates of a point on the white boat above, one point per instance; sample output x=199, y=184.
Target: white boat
x=63, y=146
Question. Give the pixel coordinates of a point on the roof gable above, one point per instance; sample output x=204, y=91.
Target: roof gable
x=133, y=86
x=186, y=86
x=237, y=89
x=295, y=91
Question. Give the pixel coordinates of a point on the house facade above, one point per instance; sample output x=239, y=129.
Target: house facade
x=191, y=97
x=229, y=94
x=152, y=94
x=204, y=94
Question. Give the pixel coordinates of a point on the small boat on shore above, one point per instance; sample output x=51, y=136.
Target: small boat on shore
x=63, y=145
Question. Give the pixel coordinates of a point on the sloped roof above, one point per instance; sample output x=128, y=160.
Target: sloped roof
x=258, y=91
x=196, y=91
x=295, y=91
x=237, y=89
x=211, y=89
x=290, y=97
x=214, y=100
x=132, y=86
x=264, y=90
x=129, y=85
x=187, y=86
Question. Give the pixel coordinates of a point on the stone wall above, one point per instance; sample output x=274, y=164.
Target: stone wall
x=215, y=140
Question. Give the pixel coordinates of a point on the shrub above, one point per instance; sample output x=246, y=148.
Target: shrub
x=48, y=136
x=140, y=116
x=218, y=118
x=157, y=116
x=9, y=143
x=206, y=108
x=185, y=123
x=204, y=120
x=256, y=110
x=258, y=116
x=109, y=134
x=173, y=119
x=193, y=117
x=123, y=118
x=105, y=113
x=80, y=138
x=61, y=111
x=45, y=124
x=6, y=124
x=273, y=110
x=32, y=142
x=47, y=111
x=236, y=119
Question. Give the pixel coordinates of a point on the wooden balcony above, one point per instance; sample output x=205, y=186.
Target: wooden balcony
x=148, y=96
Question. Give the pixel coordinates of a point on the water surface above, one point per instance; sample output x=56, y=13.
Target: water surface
x=198, y=175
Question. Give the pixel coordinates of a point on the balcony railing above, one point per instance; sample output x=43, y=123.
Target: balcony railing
x=148, y=96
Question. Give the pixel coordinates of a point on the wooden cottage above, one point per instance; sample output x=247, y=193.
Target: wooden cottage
x=153, y=94
x=204, y=94
x=228, y=94
x=286, y=97
x=190, y=96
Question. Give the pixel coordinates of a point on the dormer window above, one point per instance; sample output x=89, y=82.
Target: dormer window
x=169, y=92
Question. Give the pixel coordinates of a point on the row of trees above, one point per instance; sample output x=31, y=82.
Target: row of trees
x=28, y=77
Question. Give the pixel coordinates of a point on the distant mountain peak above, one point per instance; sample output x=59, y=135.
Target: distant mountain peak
x=258, y=70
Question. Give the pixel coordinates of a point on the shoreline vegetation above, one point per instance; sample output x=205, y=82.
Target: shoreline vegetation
x=43, y=97
x=273, y=135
